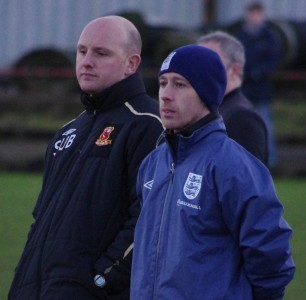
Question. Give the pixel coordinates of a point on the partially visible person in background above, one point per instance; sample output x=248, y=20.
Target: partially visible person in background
x=243, y=123
x=81, y=242
x=263, y=52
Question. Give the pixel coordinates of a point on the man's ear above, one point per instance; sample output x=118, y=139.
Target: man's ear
x=133, y=64
x=236, y=69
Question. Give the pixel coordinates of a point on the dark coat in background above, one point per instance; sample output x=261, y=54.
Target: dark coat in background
x=262, y=52
x=244, y=125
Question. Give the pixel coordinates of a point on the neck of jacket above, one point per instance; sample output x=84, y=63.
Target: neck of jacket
x=116, y=95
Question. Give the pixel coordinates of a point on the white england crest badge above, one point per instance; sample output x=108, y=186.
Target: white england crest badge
x=192, y=185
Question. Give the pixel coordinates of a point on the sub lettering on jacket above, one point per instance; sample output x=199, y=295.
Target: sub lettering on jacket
x=66, y=141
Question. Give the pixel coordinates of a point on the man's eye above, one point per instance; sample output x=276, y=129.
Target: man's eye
x=179, y=84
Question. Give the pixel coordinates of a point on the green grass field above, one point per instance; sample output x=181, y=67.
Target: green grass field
x=18, y=193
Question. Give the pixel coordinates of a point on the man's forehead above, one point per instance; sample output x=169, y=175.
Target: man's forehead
x=172, y=76
x=97, y=33
x=105, y=25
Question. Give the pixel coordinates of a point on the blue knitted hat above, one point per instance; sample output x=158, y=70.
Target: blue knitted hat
x=203, y=69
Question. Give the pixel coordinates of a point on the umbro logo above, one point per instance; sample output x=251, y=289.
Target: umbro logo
x=149, y=184
x=68, y=132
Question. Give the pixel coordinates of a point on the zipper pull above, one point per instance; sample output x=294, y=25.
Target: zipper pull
x=172, y=171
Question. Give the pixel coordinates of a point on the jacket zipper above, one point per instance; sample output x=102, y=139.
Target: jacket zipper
x=162, y=225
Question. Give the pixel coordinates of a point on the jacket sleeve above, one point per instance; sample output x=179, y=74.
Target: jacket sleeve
x=253, y=215
x=115, y=263
x=40, y=206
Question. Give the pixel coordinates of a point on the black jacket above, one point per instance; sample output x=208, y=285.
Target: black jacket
x=87, y=208
x=244, y=125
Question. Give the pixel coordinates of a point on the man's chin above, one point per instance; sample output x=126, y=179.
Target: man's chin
x=88, y=90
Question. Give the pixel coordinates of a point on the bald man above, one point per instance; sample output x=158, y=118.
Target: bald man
x=80, y=243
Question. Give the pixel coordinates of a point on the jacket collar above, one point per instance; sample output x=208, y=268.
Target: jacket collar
x=234, y=93
x=189, y=130
x=195, y=132
x=116, y=95
x=205, y=120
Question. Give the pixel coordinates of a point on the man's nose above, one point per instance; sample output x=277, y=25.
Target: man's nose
x=165, y=94
x=87, y=60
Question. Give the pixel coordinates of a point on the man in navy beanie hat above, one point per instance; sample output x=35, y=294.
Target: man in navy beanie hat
x=203, y=69
x=211, y=225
